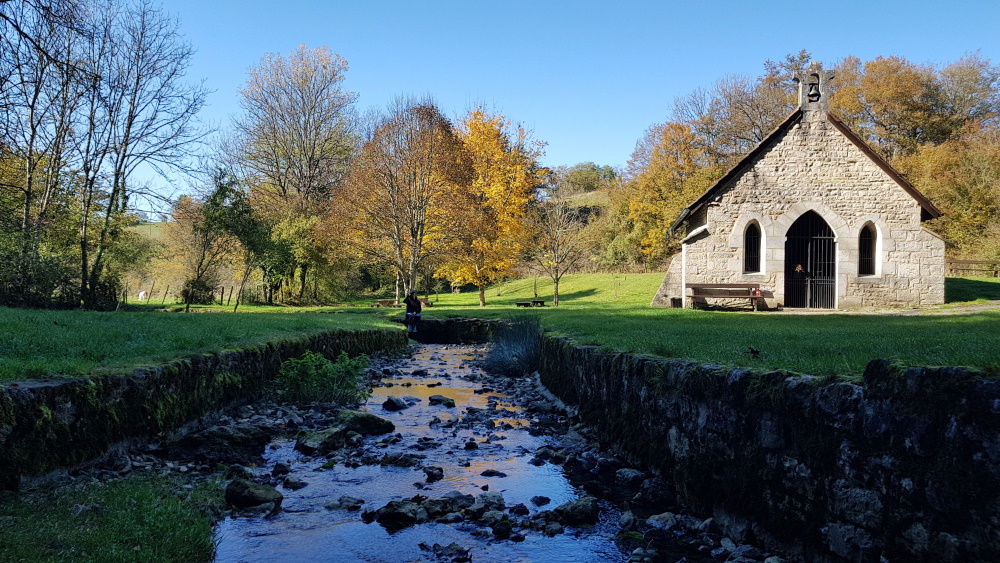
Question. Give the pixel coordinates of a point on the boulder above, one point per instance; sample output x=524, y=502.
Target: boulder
x=452, y=552
x=460, y=501
x=242, y=494
x=655, y=492
x=321, y=442
x=434, y=473
x=441, y=400
x=345, y=502
x=486, y=502
x=491, y=517
x=394, y=404
x=664, y=521
x=399, y=514
x=364, y=423
x=519, y=509
x=540, y=500
x=580, y=512
x=294, y=483
x=552, y=529
x=234, y=444
x=450, y=518
x=629, y=478
x=643, y=555
x=627, y=521
x=501, y=529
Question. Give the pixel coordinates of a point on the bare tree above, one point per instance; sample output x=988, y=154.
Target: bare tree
x=196, y=243
x=138, y=110
x=560, y=246
x=294, y=142
x=297, y=128
x=35, y=135
x=398, y=180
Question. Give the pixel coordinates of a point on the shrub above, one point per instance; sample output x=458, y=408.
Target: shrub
x=315, y=378
x=198, y=292
x=515, y=347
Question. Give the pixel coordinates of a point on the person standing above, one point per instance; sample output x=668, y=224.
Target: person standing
x=412, y=311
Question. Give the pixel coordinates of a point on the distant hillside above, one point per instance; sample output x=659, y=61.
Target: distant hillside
x=596, y=198
x=153, y=230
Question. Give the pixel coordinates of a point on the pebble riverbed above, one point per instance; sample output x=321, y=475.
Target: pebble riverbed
x=311, y=527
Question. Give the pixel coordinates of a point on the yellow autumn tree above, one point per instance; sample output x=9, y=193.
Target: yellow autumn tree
x=962, y=177
x=486, y=216
x=678, y=170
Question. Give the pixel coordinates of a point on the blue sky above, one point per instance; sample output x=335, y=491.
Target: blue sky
x=587, y=77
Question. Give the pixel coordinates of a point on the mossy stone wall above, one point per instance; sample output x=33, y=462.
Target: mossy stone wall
x=454, y=331
x=904, y=466
x=48, y=424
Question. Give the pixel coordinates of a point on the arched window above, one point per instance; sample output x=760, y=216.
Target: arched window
x=866, y=251
x=751, y=248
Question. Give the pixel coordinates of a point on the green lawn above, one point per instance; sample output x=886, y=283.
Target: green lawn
x=611, y=311
x=961, y=290
x=37, y=343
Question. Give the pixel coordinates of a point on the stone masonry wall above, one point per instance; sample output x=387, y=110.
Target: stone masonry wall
x=813, y=166
x=51, y=424
x=904, y=466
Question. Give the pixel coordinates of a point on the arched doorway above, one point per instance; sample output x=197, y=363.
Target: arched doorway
x=810, y=263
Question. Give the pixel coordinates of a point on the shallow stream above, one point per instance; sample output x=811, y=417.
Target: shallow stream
x=308, y=531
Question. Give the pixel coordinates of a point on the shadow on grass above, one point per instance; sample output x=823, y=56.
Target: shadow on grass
x=576, y=294
x=970, y=289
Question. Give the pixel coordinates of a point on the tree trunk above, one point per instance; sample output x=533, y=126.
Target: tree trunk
x=239, y=294
x=482, y=296
x=555, y=292
x=302, y=286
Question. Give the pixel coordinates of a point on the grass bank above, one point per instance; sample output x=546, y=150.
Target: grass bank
x=613, y=312
x=142, y=518
x=43, y=343
x=607, y=310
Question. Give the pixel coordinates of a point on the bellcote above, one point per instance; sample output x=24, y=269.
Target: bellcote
x=814, y=88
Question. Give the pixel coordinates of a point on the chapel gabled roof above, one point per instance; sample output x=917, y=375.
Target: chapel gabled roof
x=928, y=210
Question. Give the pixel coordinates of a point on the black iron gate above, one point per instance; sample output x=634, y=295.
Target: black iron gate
x=810, y=263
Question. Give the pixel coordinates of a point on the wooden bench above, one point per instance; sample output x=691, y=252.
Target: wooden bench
x=750, y=291
x=537, y=302
x=425, y=302
x=974, y=268
x=386, y=303
x=522, y=303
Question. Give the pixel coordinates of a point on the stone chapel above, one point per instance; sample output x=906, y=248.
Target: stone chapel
x=815, y=217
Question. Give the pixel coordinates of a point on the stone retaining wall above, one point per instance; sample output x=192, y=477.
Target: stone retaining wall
x=49, y=424
x=905, y=465
x=454, y=331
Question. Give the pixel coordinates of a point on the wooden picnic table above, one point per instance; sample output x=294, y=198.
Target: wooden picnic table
x=532, y=303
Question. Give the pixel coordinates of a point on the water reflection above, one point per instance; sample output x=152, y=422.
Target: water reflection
x=307, y=531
